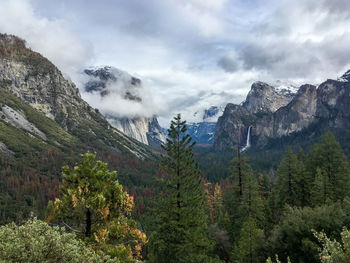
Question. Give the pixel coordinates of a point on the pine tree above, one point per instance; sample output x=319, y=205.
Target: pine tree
x=182, y=228
x=328, y=157
x=304, y=179
x=94, y=204
x=244, y=203
x=320, y=191
x=248, y=248
x=288, y=184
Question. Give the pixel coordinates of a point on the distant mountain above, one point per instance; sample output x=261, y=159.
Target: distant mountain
x=203, y=132
x=274, y=115
x=108, y=80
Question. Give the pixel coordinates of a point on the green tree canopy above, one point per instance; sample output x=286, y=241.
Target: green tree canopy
x=94, y=204
x=326, y=159
x=182, y=225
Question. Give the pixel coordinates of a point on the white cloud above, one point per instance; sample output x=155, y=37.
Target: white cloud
x=49, y=37
x=190, y=54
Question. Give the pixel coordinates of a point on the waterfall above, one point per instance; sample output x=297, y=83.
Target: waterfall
x=248, y=140
x=248, y=137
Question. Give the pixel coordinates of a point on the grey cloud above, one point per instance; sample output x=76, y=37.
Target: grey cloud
x=228, y=63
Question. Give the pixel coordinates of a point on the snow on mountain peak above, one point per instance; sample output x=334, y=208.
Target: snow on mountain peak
x=284, y=87
x=345, y=77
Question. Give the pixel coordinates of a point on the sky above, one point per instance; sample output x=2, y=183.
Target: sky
x=189, y=54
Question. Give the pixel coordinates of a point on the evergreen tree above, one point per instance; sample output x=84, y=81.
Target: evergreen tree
x=288, y=184
x=182, y=229
x=330, y=159
x=94, y=204
x=248, y=248
x=246, y=212
x=304, y=179
x=320, y=191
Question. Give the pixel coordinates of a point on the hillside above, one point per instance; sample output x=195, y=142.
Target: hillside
x=45, y=124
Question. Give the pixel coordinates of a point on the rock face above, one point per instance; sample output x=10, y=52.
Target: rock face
x=263, y=97
x=293, y=117
x=143, y=129
x=18, y=120
x=327, y=103
x=232, y=126
x=35, y=80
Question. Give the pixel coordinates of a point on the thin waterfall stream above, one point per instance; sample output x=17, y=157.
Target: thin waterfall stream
x=248, y=140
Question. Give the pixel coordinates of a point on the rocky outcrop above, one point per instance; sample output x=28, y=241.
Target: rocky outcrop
x=17, y=119
x=145, y=130
x=263, y=97
x=108, y=80
x=295, y=116
x=37, y=81
x=327, y=104
x=232, y=126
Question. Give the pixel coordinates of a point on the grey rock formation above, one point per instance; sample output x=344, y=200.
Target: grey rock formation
x=295, y=116
x=18, y=120
x=327, y=104
x=232, y=126
x=263, y=97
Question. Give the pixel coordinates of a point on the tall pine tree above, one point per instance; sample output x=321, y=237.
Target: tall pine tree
x=288, y=186
x=182, y=225
x=327, y=159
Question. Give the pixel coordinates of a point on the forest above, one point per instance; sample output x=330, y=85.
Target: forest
x=297, y=213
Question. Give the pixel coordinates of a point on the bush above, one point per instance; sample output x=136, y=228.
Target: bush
x=36, y=241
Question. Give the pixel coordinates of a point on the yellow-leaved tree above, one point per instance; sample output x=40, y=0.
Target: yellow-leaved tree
x=93, y=204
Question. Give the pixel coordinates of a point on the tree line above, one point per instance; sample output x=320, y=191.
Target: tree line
x=298, y=213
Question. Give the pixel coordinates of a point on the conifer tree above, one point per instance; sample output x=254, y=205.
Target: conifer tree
x=288, y=180
x=248, y=248
x=243, y=200
x=94, y=204
x=320, y=191
x=328, y=157
x=182, y=229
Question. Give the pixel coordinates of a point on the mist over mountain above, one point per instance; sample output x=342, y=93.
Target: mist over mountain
x=125, y=103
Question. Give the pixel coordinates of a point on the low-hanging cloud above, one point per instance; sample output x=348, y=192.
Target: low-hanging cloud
x=121, y=96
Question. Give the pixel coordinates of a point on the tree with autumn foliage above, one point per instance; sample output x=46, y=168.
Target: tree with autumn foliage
x=94, y=204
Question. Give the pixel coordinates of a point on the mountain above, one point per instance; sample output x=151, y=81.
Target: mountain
x=264, y=97
x=44, y=124
x=324, y=106
x=203, y=131
x=110, y=81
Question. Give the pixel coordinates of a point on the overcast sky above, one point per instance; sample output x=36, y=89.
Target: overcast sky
x=190, y=54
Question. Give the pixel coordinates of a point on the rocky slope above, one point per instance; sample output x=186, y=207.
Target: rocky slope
x=326, y=104
x=36, y=81
x=110, y=81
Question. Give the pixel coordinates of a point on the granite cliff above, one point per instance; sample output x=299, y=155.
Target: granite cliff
x=273, y=114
